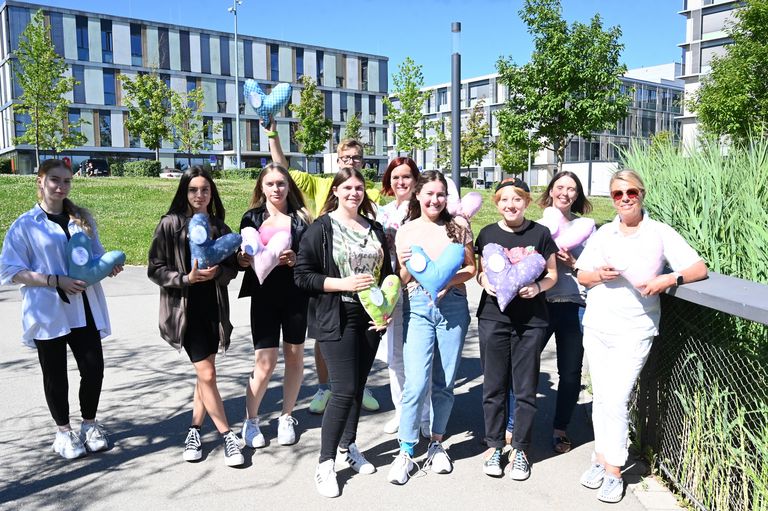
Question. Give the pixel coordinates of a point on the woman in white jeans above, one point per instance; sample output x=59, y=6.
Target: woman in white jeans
x=622, y=266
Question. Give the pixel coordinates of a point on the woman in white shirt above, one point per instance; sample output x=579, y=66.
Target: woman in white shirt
x=58, y=311
x=622, y=316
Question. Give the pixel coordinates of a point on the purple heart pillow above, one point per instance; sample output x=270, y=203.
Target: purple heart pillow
x=508, y=277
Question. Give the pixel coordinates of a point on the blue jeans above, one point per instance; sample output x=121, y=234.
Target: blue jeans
x=433, y=338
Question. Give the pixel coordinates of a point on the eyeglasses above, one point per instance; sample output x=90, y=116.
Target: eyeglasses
x=347, y=159
x=631, y=193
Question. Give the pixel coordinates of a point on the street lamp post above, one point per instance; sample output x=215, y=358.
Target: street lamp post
x=233, y=10
x=456, y=106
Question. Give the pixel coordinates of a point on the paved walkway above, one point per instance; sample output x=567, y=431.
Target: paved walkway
x=146, y=408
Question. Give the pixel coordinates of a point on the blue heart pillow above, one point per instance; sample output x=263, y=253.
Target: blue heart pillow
x=209, y=252
x=266, y=106
x=81, y=265
x=435, y=275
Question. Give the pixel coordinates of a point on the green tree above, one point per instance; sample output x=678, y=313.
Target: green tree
x=511, y=155
x=149, y=109
x=733, y=97
x=474, y=137
x=186, y=120
x=570, y=87
x=405, y=114
x=352, y=129
x=442, y=141
x=314, y=129
x=40, y=77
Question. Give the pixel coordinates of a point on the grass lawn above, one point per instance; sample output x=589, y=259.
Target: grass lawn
x=128, y=209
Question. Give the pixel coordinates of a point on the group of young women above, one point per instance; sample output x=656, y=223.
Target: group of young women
x=351, y=246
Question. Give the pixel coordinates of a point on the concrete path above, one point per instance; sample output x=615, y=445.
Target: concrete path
x=145, y=406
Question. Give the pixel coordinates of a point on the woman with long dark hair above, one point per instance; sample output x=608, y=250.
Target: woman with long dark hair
x=277, y=305
x=434, y=329
x=342, y=253
x=58, y=311
x=194, y=305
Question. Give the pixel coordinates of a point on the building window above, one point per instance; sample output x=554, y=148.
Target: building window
x=343, y=106
x=208, y=133
x=572, y=152
x=336, y=135
x=294, y=144
x=105, y=128
x=255, y=142
x=299, y=63
x=78, y=72
x=57, y=31
x=221, y=96
x=248, y=59
x=341, y=71
x=224, y=55
x=136, y=47
x=184, y=50
x=359, y=105
x=226, y=133
x=106, y=41
x=22, y=121
x=479, y=90
x=363, y=73
x=164, y=48
x=73, y=117
x=372, y=140
x=18, y=19
x=109, y=87
x=328, y=105
x=205, y=53
x=320, y=66
x=274, y=62
x=371, y=108
x=191, y=84
x=442, y=97
x=81, y=31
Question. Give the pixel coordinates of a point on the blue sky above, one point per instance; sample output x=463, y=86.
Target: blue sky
x=421, y=29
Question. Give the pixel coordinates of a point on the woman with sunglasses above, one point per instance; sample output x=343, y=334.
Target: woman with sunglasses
x=621, y=319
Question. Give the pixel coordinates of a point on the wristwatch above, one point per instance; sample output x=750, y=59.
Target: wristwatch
x=679, y=281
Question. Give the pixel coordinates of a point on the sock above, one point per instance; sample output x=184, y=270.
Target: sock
x=193, y=426
x=407, y=447
x=225, y=433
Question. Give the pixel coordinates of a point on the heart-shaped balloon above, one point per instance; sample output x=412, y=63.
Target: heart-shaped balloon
x=435, y=275
x=81, y=265
x=202, y=248
x=510, y=270
x=566, y=233
x=265, y=257
x=379, y=302
x=466, y=206
x=267, y=105
x=637, y=259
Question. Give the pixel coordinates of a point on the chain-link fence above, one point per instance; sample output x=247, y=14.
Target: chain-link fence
x=702, y=406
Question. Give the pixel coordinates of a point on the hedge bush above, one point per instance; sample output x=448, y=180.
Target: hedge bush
x=143, y=168
x=5, y=166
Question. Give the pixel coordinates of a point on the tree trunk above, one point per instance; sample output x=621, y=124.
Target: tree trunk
x=157, y=153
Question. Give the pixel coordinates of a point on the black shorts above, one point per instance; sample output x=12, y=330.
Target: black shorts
x=201, y=338
x=271, y=316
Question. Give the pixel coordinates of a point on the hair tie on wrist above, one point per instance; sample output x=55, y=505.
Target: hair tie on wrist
x=271, y=134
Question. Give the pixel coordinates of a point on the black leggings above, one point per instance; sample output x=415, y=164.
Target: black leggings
x=349, y=361
x=85, y=343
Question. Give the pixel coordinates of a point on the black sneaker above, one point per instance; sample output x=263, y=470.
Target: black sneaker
x=193, y=447
x=492, y=466
x=233, y=457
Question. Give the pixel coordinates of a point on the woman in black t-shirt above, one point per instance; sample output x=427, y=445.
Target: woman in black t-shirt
x=511, y=339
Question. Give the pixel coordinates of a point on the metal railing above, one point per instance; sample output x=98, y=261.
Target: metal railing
x=702, y=400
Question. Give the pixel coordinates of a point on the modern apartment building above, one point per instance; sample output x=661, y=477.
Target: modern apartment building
x=657, y=101
x=99, y=48
x=705, y=37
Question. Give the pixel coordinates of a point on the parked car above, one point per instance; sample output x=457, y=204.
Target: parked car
x=94, y=167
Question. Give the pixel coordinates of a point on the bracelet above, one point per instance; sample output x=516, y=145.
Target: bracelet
x=57, y=281
x=271, y=134
x=48, y=280
x=538, y=287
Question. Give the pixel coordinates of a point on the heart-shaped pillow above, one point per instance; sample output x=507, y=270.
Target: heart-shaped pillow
x=379, y=302
x=637, y=259
x=81, y=265
x=265, y=257
x=435, y=275
x=202, y=248
x=509, y=270
x=567, y=233
x=466, y=206
x=266, y=106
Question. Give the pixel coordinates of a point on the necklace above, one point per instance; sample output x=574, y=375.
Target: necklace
x=512, y=228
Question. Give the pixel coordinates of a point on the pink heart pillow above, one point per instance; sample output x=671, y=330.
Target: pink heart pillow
x=638, y=259
x=265, y=257
x=566, y=233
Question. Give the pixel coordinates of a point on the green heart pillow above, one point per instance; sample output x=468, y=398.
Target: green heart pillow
x=379, y=302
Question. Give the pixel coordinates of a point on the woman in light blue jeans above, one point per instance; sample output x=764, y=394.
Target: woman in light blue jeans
x=434, y=330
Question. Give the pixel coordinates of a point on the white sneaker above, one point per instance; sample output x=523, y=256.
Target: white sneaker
x=439, y=459
x=232, y=455
x=612, y=489
x=392, y=425
x=325, y=479
x=593, y=477
x=355, y=459
x=401, y=468
x=93, y=436
x=425, y=430
x=252, y=434
x=68, y=445
x=193, y=447
x=520, y=469
x=286, y=435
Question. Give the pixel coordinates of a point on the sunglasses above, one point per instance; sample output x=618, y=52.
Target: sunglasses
x=631, y=193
